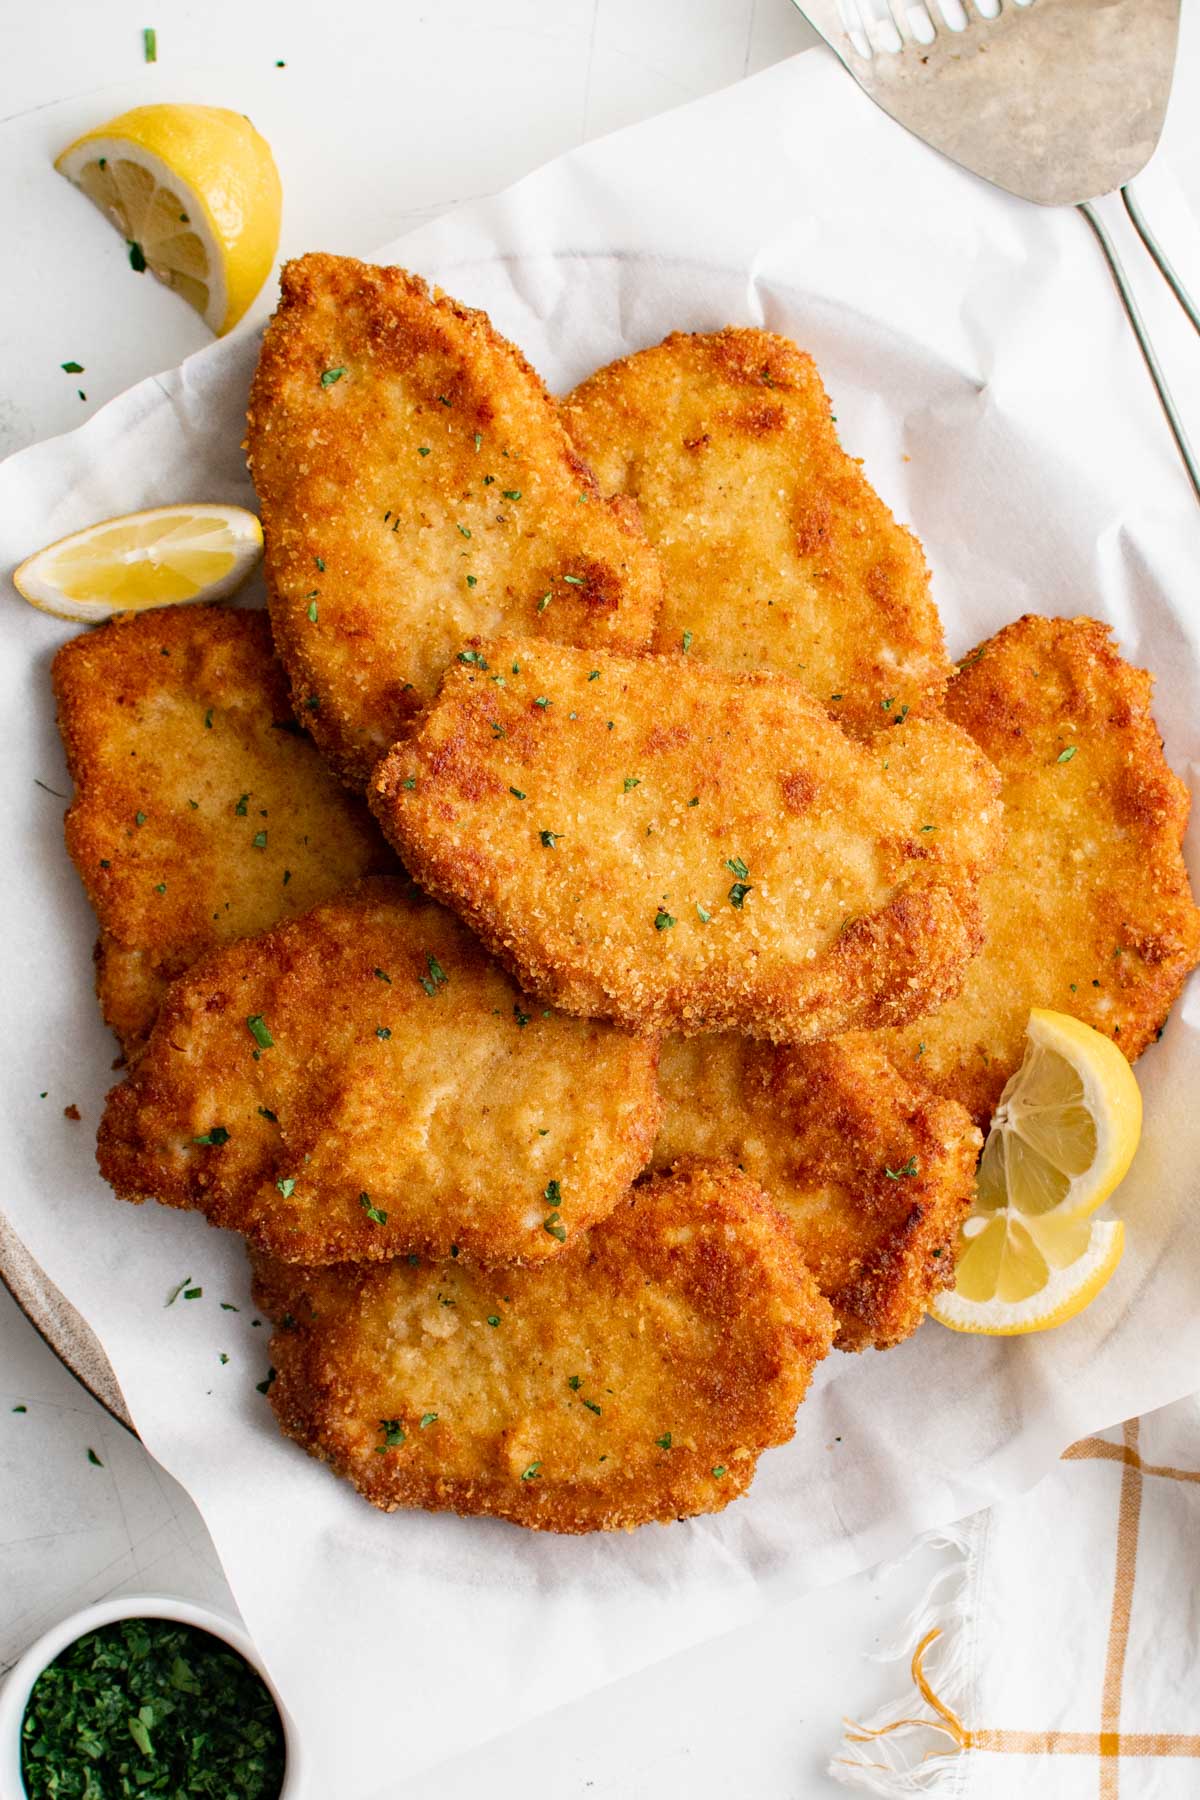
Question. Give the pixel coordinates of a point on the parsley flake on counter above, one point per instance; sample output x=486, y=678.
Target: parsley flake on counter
x=263, y=1386
x=94, y=1459
x=72, y=368
x=150, y=44
x=175, y=1292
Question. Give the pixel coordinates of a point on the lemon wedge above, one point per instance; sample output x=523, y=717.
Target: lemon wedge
x=1062, y=1138
x=195, y=193
x=168, y=555
x=1068, y=1122
x=1017, y=1274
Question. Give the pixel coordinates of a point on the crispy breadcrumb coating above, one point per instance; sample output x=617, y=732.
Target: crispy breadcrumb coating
x=872, y=1172
x=364, y=1081
x=777, y=551
x=1089, y=911
x=636, y=1377
x=417, y=486
x=678, y=847
x=201, y=811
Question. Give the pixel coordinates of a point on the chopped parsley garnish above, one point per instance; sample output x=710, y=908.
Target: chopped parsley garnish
x=266, y=1113
x=664, y=1442
x=836, y=697
x=516, y=793
x=409, y=782
x=542, y=701
x=553, y=1193
x=72, y=368
x=478, y=439
x=436, y=978
x=216, y=1135
x=909, y=1168
x=139, y=818
x=575, y=580
x=493, y=1319
x=376, y=1215
x=929, y=828
x=208, y=719
x=575, y=1382
x=471, y=580
x=259, y=840
x=393, y=1435
x=329, y=376
x=423, y=450
x=380, y=975
x=532, y=1472
x=544, y=602
x=257, y=1027
x=466, y=531
x=286, y=1185
x=718, y=1471
x=550, y=838
x=1068, y=753
x=428, y=1419
x=737, y=867
x=687, y=642
x=592, y=1407
x=705, y=915
x=632, y=781
x=663, y=921
x=241, y=808
x=497, y=728
x=474, y=657
x=511, y=493
x=554, y=1226
x=595, y=675
x=521, y=1018
x=737, y=894
x=312, y=612
x=320, y=563
x=383, y=1031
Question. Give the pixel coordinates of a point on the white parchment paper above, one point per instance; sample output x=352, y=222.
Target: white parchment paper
x=980, y=363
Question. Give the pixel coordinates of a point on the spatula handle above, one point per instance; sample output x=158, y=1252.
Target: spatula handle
x=1139, y=326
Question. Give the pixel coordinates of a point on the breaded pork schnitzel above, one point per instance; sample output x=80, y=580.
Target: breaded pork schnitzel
x=872, y=1172
x=201, y=811
x=364, y=1082
x=677, y=847
x=637, y=1377
x=417, y=486
x=1089, y=911
x=777, y=551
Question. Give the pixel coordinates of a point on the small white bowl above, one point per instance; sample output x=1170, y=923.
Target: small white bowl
x=14, y=1695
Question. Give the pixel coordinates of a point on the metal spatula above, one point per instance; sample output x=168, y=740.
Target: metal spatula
x=1059, y=101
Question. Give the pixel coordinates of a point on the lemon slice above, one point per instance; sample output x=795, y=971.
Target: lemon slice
x=1018, y=1274
x=162, y=557
x=1029, y=1254
x=195, y=193
x=1067, y=1125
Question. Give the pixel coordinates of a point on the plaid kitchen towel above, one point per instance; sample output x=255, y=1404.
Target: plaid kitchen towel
x=1057, y=1657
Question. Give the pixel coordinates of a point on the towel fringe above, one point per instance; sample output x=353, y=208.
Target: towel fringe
x=902, y=1749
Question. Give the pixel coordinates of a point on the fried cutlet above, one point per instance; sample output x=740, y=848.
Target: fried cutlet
x=678, y=847
x=777, y=551
x=1089, y=911
x=417, y=486
x=364, y=1082
x=872, y=1172
x=201, y=811
x=636, y=1377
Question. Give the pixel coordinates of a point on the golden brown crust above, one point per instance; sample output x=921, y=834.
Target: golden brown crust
x=636, y=1377
x=1089, y=911
x=183, y=750
x=397, y=1094
x=499, y=525
x=680, y=791
x=872, y=1172
x=777, y=551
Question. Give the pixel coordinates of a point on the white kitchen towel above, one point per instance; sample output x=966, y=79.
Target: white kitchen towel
x=1057, y=1656
x=980, y=363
